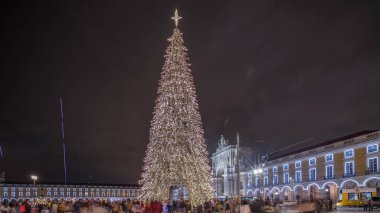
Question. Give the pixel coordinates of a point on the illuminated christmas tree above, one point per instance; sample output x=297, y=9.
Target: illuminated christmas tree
x=176, y=153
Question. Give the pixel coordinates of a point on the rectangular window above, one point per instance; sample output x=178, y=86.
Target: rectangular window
x=298, y=164
x=312, y=161
x=68, y=194
x=349, y=153
x=5, y=194
x=372, y=148
x=265, y=171
x=20, y=194
x=27, y=194
x=286, y=178
x=349, y=168
x=48, y=194
x=275, y=169
x=55, y=194
x=298, y=176
x=257, y=182
x=266, y=182
x=366, y=195
x=329, y=157
x=74, y=194
x=275, y=179
x=352, y=196
x=329, y=171
x=372, y=164
x=313, y=174
x=285, y=166
x=62, y=194
x=13, y=194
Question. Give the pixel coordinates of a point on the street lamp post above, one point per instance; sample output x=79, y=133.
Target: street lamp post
x=257, y=173
x=34, y=178
x=238, y=170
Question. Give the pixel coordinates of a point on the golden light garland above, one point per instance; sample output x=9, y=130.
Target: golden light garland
x=176, y=153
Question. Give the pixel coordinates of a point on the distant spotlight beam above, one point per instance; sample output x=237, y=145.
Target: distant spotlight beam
x=292, y=145
x=63, y=140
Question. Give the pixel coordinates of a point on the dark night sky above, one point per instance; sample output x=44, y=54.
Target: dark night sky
x=278, y=71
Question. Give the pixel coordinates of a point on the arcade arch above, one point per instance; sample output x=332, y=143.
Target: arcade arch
x=330, y=191
x=266, y=194
x=299, y=192
x=220, y=181
x=349, y=184
x=372, y=182
x=276, y=194
x=313, y=192
x=286, y=190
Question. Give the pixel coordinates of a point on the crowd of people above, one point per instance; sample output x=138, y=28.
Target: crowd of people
x=368, y=205
x=128, y=206
x=170, y=206
x=106, y=206
x=95, y=206
x=326, y=204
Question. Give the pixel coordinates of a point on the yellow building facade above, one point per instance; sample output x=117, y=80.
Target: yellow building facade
x=342, y=169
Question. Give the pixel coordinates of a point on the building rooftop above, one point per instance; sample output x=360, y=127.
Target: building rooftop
x=68, y=184
x=285, y=153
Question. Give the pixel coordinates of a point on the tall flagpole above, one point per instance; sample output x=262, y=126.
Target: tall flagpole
x=63, y=140
x=238, y=169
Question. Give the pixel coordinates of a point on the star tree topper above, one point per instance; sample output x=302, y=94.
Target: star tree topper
x=176, y=18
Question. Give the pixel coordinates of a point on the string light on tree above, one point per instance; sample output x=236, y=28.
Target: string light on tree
x=176, y=154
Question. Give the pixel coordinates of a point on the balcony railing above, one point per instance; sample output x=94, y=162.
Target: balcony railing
x=329, y=177
x=372, y=171
x=349, y=175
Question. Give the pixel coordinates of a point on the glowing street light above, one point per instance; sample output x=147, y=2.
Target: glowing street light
x=34, y=178
x=258, y=171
